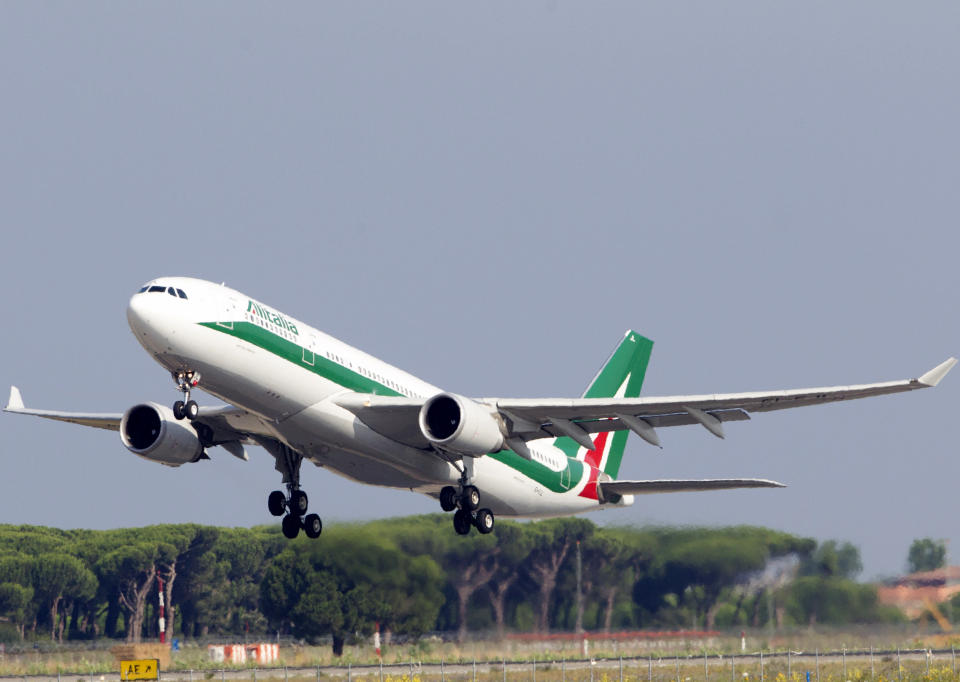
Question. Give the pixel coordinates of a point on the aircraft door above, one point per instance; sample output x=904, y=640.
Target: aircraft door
x=230, y=313
x=309, y=357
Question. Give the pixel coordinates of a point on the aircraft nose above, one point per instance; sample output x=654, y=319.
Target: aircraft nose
x=138, y=315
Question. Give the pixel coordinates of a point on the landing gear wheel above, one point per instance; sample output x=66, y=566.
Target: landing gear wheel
x=470, y=500
x=295, y=500
x=191, y=410
x=448, y=498
x=290, y=526
x=462, y=522
x=484, y=521
x=186, y=379
x=298, y=502
x=277, y=503
x=312, y=526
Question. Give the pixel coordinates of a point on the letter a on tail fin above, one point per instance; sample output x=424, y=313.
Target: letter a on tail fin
x=620, y=377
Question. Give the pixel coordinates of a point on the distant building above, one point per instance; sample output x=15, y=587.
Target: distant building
x=915, y=593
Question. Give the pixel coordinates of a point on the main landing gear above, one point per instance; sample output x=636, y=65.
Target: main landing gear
x=294, y=502
x=186, y=408
x=297, y=518
x=468, y=514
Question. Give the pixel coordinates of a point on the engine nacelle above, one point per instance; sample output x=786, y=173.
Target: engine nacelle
x=460, y=425
x=151, y=431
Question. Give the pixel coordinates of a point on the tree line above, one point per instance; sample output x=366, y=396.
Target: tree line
x=412, y=575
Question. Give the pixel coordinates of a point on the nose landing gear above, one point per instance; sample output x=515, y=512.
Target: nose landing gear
x=468, y=514
x=186, y=408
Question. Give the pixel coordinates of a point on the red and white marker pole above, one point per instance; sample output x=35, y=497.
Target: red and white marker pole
x=376, y=639
x=161, y=622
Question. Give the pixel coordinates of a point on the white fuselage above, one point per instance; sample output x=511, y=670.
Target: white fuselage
x=285, y=374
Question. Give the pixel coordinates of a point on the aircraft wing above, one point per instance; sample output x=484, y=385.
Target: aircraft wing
x=540, y=418
x=109, y=421
x=683, y=486
x=229, y=427
x=529, y=419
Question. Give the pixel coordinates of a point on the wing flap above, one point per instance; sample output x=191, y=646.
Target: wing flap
x=683, y=486
x=655, y=421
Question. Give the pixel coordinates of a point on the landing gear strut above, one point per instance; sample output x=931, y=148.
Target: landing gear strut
x=466, y=501
x=292, y=505
x=186, y=408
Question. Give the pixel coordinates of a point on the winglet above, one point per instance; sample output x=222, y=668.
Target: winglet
x=15, y=402
x=933, y=377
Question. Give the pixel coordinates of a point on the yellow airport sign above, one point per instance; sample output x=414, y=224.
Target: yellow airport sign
x=142, y=669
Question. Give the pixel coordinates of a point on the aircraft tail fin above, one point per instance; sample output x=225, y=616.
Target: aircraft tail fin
x=620, y=377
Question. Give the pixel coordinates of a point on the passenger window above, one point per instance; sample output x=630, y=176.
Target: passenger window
x=181, y=294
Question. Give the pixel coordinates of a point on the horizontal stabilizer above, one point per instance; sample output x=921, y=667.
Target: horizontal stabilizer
x=683, y=486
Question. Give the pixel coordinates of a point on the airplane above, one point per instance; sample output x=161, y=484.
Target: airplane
x=303, y=395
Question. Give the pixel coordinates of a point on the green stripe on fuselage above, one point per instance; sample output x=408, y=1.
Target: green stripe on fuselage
x=288, y=350
x=545, y=476
x=348, y=378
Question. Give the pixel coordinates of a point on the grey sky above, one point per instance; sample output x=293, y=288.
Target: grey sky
x=487, y=196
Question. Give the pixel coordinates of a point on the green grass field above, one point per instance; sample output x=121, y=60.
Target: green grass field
x=714, y=660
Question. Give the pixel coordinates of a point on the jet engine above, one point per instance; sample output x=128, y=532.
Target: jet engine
x=150, y=431
x=460, y=425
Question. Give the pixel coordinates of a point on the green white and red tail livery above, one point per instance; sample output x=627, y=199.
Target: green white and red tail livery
x=303, y=395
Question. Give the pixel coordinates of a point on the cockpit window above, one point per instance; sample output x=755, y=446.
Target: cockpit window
x=156, y=288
